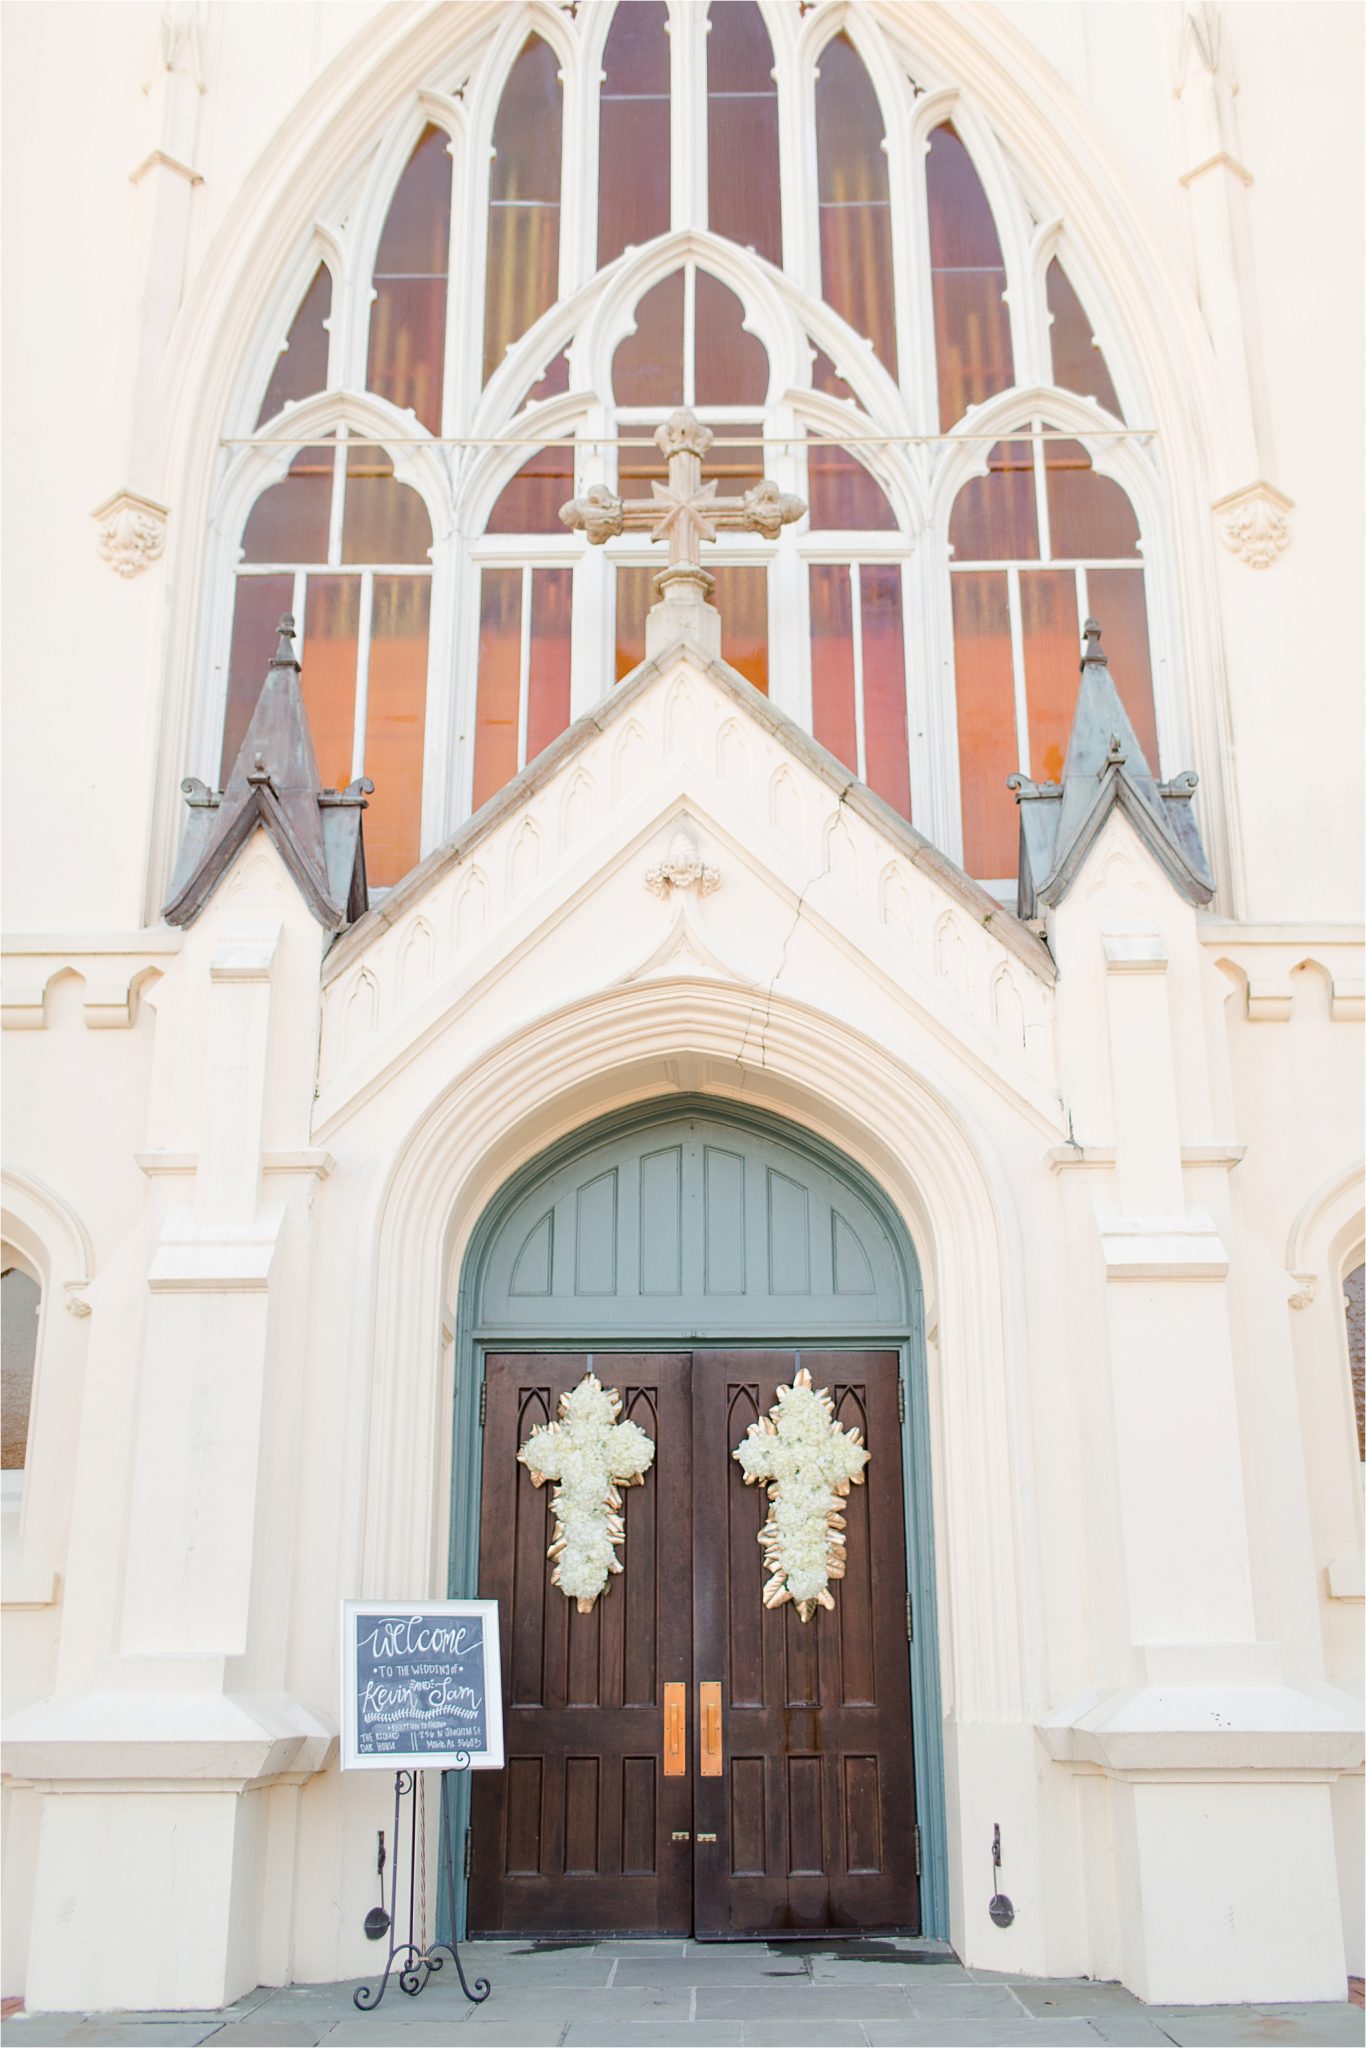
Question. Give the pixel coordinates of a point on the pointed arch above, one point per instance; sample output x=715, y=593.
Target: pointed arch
x=522, y=267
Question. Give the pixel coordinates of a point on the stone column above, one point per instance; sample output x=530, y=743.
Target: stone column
x=157, y=1759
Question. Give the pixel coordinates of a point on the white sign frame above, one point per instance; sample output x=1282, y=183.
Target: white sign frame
x=489, y=1758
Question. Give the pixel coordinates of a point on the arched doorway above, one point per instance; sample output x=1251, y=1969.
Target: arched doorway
x=694, y=1253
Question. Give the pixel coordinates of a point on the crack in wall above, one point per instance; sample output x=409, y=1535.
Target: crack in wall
x=807, y=886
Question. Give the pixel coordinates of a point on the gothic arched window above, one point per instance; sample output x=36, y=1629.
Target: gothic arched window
x=346, y=547
x=589, y=217
x=21, y=1300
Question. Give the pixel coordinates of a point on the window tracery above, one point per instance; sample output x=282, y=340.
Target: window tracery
x=440, y=667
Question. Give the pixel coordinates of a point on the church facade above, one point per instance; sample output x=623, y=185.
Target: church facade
x=679, y=711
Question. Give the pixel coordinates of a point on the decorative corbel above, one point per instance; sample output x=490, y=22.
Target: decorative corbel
x=132, y=531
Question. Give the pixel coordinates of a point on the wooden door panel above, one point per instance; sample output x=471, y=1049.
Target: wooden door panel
x=814, y=1812
x=576, y=1835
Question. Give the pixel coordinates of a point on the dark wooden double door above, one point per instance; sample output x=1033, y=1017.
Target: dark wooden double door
x=802, y=1820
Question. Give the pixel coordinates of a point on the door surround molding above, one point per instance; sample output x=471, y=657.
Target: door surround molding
x=760, y=1127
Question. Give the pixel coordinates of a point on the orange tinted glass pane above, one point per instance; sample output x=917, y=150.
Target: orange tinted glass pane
x=736, y=469
x=633, y=136
x=634, y=598
x=825, y=377
x=639, y=466
x=531, y=502
x=730, y=366
x=1089, y=516
x=1078, y=364
x=261, y=603
x=328, y=673
x=647, y=368
x=1052, y=657
x=289, y=522
x=832, y=662
x=987, y=748
x=855, y=213
x=555, y=381
x=408, y=318
x=741, y=597
x=743, y=199
x=995, y=517
x=384, y=520
x=971, y=322
x=843, y=494
x=302, y=366
x=395, y=722
x=547, y=703
x=524, y=202
x=885, y=749
x=1116, y=597
x=500, y=667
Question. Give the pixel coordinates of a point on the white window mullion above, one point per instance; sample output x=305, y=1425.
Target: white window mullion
x=298, y=605
x=524, y=668
x=367, y=608
x=1083, y=597
x=689, y=334
x=1017, y=664
x=1038, y=451
x=856, y=641
x=334, y=525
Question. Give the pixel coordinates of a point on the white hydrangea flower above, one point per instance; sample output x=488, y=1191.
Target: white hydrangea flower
x=808, y=1464
x=590, y=1456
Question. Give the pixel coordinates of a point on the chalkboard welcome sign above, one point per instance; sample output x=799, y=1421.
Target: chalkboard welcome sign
x=421, y=1686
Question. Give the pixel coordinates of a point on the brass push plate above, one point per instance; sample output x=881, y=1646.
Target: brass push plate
x=676, y=1733
x=709, y=1736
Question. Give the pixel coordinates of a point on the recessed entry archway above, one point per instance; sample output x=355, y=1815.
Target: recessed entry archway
x=693, y=1252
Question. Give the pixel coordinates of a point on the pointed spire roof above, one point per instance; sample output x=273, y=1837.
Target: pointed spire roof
x=1105, y=770
x=274, y=784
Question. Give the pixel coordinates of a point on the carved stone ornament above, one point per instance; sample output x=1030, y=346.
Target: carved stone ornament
x=591, y=1456
x=683, y=868
x=1255, y=524
x=808, y=1464
x=132, y=532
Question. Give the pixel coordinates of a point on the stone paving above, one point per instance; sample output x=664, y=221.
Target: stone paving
x=677, y=1994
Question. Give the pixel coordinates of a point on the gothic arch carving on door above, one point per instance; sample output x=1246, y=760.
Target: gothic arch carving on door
x=694, y=1219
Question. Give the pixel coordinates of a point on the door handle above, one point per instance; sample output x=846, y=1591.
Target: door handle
x=675, y=1731
x=709, y=1736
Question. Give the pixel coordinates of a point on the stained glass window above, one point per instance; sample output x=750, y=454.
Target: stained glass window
x=633, y=129
x=302, y=366
x=968, y=281
x=1354, y=1304
x=1039, y=543
x=21, y=1300
x=345, y=546
x=744, y=201
x=1078, y=364
x=408, y=318
x=783, y=144
x=854, y=200
x=522, y=271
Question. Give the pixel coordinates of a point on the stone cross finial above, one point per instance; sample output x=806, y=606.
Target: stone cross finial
x=684, y=512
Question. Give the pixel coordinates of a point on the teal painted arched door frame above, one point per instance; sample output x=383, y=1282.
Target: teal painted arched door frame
x=616, y=1239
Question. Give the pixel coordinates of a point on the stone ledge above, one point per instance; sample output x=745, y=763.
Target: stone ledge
x=1209, y=1730
x=133, y=1740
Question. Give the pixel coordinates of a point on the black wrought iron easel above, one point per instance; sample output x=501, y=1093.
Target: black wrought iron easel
x=422, y=1959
